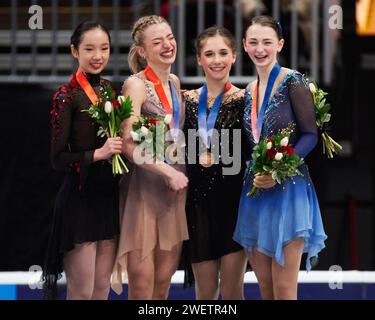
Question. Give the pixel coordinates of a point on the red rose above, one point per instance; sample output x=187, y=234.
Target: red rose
x=284, y=149
x=115, y=103
x=288, y=149
x=269, y=139
x=154, y=122
x=271, y=153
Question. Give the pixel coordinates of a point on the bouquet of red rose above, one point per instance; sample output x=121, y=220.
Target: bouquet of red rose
x=275, y=155
x=323, y=117
x=149, y=132
x=109, y=112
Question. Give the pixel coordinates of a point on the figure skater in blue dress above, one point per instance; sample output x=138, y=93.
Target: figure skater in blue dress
x=283, y=220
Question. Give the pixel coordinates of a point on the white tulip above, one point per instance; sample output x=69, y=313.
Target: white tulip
x=135, y=136
x=269, y=145
x=278, y=156
x=148, y=138
x=312, y=88
x=284, y=141
x=120, y=99
x=144, y=130
x=108, y=107
x=168, y=119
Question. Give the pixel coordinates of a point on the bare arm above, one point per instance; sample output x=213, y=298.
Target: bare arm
x=135, y=89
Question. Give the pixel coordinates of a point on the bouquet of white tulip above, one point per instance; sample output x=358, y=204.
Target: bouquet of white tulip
x=149, y=132
x=109, y=112
x=323, y=117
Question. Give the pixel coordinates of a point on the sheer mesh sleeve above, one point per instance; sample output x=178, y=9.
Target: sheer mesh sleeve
x=61, y=156
x=303, y=108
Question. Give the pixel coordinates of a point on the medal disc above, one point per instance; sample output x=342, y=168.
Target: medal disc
x=206, y=159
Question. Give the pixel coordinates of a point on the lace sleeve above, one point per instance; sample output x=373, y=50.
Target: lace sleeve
x=61, y=156
x=303, y=108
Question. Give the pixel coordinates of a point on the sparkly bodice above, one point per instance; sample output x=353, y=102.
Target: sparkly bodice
x=74, y=133
x=203, y=180
x=291, y=103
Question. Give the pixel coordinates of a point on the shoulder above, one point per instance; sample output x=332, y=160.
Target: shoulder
x=234, y=97
x=292, y=73
x=67, y=91
x=236, y=92
x=62, y=99
x=296, y=78
x=235, y=89
x=287, y=71
x=134, y=82
x=250, y=87
x=191, y=95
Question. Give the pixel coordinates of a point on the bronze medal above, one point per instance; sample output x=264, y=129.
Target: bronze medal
x=206, y=159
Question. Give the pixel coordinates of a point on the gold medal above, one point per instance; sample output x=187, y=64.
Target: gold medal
x=206, y=159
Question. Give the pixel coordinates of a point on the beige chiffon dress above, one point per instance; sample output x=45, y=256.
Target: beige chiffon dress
x=150, y=213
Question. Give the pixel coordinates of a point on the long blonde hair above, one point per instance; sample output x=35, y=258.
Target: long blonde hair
x=136, y=62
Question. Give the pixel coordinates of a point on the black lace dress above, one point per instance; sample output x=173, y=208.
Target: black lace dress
x=213, y=197
x=86, y=207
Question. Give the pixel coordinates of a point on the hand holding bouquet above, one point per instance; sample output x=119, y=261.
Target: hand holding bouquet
x=109, y=113
x=274, y=155
x=149, y=132
x=323, y=117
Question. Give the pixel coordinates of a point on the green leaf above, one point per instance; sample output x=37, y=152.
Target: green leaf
x=255, y=155
x=322, y=103
x=326, y=117
x=267, y=168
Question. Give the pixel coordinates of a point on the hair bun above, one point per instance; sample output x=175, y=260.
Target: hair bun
x=279, y=29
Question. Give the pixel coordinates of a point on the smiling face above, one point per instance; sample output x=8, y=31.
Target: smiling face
x=159, y=45
x=262, y=45
x=93, y=51
x=216, y=58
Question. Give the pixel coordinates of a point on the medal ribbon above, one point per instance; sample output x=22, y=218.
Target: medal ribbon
x=257, y=119
x=176, y=112
x=86, y=87
x=206, y=124
x=151, y=76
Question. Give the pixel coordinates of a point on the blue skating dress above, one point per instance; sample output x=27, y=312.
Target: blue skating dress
x=290, y=210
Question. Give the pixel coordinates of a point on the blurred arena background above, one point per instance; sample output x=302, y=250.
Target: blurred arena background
x=34, y=63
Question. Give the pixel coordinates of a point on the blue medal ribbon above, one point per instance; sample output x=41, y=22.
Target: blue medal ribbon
x=176, y=112
x=271, y=80
x=206, y=124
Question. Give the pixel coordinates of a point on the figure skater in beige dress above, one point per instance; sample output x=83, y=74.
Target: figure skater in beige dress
x=152, y=196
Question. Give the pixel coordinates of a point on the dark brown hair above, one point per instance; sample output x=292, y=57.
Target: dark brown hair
x=212, y=32
x=266, y=21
